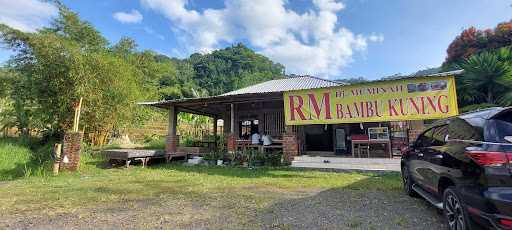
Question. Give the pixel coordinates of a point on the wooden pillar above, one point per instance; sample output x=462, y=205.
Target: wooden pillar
x=232, y=119
x=172, y=139
x=231, y=137
x=215, y=132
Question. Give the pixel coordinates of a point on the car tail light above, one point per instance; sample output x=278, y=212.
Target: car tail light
x=505, y=223
x=490, y=158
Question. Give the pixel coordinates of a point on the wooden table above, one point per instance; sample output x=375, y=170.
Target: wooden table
x=369, y=143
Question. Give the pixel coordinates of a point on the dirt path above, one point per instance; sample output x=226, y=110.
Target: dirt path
x=329, y=209
x=350, y=209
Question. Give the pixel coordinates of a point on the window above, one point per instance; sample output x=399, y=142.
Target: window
x=439, y=135
x=248, y=127
x=425, y=139
x=378, y=133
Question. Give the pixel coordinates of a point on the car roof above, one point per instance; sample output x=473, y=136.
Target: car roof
x=478, y=118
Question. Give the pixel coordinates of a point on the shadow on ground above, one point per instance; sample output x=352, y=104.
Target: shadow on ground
x=351, y=209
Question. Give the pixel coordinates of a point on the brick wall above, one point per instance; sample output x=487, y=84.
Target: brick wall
x=290, y=146
x=415, y=129
x=71, y=150
x=231, y=142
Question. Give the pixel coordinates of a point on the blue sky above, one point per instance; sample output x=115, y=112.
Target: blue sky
x=334, y=39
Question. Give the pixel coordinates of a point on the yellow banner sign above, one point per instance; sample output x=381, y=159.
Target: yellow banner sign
x=418, y=98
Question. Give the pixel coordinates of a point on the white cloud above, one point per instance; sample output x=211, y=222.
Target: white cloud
x=376, y=37
x=133, y=16
x=26, y=15
x=312, y=42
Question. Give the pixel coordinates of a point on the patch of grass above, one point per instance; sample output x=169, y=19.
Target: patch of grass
x=156, y=143
x=233, y=191
x=23, y=158
x=236, y=188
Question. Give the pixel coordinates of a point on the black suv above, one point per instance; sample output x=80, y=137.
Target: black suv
x=463, y=166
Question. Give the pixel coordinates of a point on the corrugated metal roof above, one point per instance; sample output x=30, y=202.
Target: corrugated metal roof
x=287, y=84
x=290, y=83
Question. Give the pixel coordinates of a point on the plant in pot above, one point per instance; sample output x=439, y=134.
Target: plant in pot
x=210, y=158
x=245, y=157
x=220, y=157
x=274, y=159
x=257, y=158
x=237, y=158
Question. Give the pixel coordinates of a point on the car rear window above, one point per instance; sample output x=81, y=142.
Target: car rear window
x=496, y=129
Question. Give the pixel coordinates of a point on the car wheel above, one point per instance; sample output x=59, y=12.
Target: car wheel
x=454, y=211
x=408, y=182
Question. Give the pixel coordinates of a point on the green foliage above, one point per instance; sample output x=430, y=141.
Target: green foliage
x=23, y=158
x=472, y=41
x=154, y=143
x=485, y=56
x=56, y=66
x=232, y=68
x=210, y=156
x=273, y=158
x=487, y=78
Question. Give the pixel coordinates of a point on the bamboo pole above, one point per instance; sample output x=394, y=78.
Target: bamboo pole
x=76, y=120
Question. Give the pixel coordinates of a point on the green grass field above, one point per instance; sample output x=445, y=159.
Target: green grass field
x=238, y=189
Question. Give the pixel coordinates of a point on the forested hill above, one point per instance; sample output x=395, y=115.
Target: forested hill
x=215, y=73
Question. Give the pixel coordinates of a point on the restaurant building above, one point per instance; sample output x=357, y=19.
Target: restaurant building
x=307, y=115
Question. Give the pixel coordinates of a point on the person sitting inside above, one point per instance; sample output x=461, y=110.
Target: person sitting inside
x=255, y=138
x=267, y=139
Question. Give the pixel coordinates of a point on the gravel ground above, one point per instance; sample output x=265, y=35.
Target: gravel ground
x=350, y=209
x=328, y=209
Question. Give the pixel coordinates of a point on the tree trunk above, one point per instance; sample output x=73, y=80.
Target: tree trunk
x=490, y=95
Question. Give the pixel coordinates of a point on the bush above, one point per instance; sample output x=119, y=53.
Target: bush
x=209, y=156
x=273, y=159
x=155, y=143
x=188, y=141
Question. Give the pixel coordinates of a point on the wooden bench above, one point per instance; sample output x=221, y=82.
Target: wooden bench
x=129, y=155
x=272, y=147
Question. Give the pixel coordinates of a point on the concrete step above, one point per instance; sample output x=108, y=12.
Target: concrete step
x=370, y=164
x=347, y=160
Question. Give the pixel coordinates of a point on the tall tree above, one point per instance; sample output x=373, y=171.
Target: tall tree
x=473, y=40
x=55, y=66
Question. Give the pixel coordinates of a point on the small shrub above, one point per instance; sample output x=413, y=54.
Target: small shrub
x=209, y=156
x=155, y=144
x=273, y=159
x=188, y=141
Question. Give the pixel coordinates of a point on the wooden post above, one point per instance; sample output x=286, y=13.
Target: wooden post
x=232, y=119
x=172, y=139
x=215, y=132
x=57, y=149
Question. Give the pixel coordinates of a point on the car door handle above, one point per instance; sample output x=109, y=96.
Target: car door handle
x=438, y=156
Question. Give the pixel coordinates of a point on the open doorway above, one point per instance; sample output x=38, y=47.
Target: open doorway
x=319, y=138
